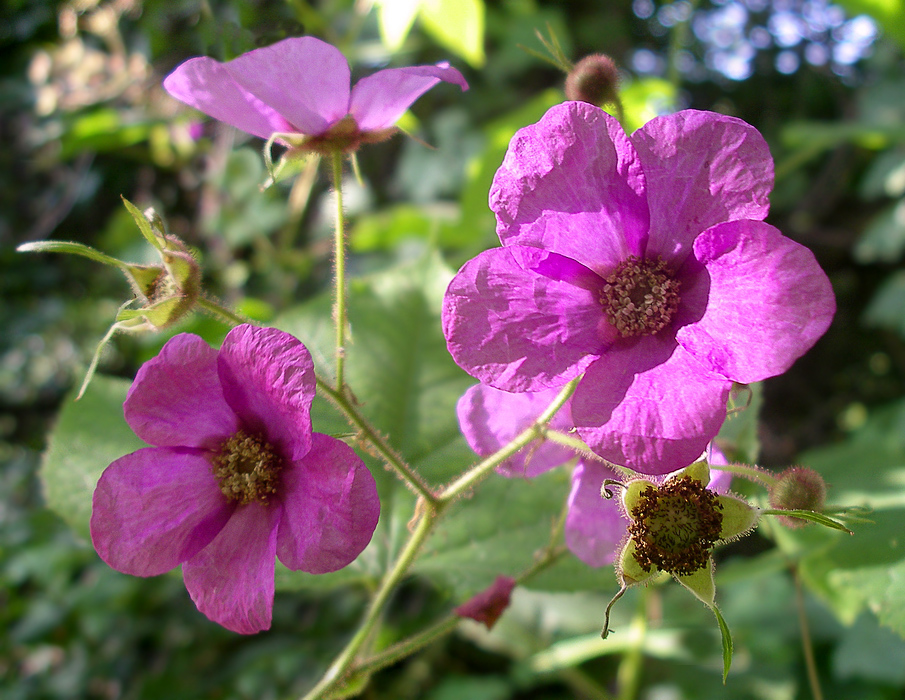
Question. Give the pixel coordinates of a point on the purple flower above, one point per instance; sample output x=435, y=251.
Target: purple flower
x=643, y=263
x=235, y=477
x=595, y=527
x=300, y=86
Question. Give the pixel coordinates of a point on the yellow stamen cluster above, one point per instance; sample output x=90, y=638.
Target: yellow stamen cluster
x=640, y=297
x=248, y=468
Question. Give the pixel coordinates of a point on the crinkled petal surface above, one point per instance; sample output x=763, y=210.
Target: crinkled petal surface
x=206, y=85
x=156, y=508
x=701, y=169
x=523, y=319
x=176, y=399
x=268, y=380
x=649, y=406
x=768, y=302
x=380, y=99
x=490, y=418
x=572, y=184
x=594, y=524
x=232, y=579
x=330, y=508
x=304, y=79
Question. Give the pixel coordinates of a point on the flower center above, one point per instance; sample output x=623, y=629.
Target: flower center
x=640, y=297
x=248, y=468
x=674, y=526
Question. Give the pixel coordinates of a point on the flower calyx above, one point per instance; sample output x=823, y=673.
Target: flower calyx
x=674, y=525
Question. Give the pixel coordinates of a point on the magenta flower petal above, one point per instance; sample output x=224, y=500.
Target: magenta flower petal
x=156, y=508
x=768, y=302
x=232, y=579
x=268, y=380
x=657, y=416
x=521, y=319
x=206, y=85
x=304, y=79
x=594, y=525
x=176, y=399
x=330, y=508
x=701, y=169
x=573, y=184
x=490, y=418
x=379, y=100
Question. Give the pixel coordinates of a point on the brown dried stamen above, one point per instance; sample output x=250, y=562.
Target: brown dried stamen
x=248, y=468
x=674, y=526
x=640, y=297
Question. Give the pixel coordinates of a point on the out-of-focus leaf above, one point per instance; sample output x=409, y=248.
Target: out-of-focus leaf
x=885, y=176
x=102, y=129
x=738, y=437
x=887, y=308
x=458, y=25
x=870, y=652
x=889, y=14
x=883, y=239
x=645, y=99
x=395, y=18
x=88, y=436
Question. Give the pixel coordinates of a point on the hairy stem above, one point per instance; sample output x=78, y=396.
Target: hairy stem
x=806, y=645
x=339, y=253
x=342, y=666
x=533, y=432
x=383, y=449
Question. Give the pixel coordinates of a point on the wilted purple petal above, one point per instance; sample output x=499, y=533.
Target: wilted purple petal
x=380, y=99
x=573, y=184
x=330, y=508
x=701, y=169
x=268, y=380
x=487, y=606
x=654, y=410
x=156, y=508
x=490, y=418
x=594, y=525
x=768, y=302
x=521, y=319
x=176, y=399
x=304, y=79
x=205, y=84
x=232, y=579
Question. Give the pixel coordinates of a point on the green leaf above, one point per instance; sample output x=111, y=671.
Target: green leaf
x=72, y=248
x=646, y=98
x=866, y=570
x=395, y=19
x=726, y=638
x=887, y=307
x=883, y=239
x=458, y=25
x=88, y=436
x=143, y=224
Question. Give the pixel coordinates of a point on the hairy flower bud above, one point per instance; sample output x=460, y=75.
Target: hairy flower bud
x=594, y=79
x=798, y=488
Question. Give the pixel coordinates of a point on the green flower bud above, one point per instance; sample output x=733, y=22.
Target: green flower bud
x=594, y=79
x=798, y=488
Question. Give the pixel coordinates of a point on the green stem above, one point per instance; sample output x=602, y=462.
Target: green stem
x=628, y=675
x=578, y=445
x=221, y=311
x=339, y=246
x=380, y=445
x=807, y=647
x=533, y=432
x=342, y=666
x=748, y=472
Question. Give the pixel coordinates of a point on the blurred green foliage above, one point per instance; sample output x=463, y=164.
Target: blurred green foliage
x=84, y=120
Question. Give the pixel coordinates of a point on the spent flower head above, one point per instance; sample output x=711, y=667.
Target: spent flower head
x=235, y=477
x=674, y=524
x=642, y=262
x=297, y=91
